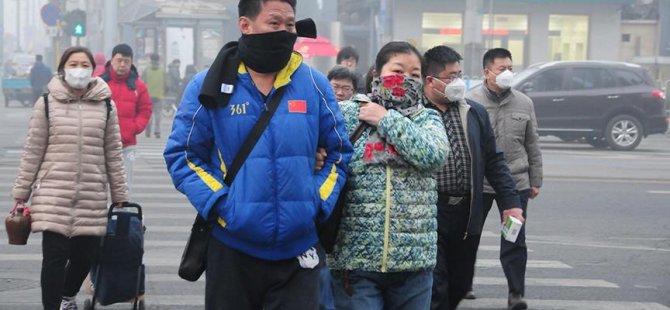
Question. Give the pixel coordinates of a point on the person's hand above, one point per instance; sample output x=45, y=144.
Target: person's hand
x=534, y=191
x=118, y=205
x=517, y=213
x=20, y=201
x=320, y=159
x=371, y=113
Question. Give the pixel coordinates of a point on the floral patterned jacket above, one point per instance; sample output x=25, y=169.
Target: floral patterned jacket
x=389, y=221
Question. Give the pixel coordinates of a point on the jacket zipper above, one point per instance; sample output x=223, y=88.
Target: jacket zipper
x=387, y=220
x=78, y=177
x=467, y=227
x=275, y=233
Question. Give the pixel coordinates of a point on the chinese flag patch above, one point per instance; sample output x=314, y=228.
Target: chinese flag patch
x=297, y=106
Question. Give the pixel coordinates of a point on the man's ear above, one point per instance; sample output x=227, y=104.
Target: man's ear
x=244, y=23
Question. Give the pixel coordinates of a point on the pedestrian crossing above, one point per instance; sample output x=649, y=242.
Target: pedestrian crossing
x=490, y=284
x=168, y=218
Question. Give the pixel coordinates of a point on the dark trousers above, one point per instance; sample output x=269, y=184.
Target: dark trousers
x=238, y=281
x=65, y=264
x=452, y=277
x=513, y=256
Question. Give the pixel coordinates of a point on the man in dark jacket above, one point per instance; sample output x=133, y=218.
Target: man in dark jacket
x=474, y=156
x=174, y=78
x=40, y=75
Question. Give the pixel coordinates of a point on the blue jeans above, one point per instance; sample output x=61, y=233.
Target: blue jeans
x=326, y=301
x=376, y=291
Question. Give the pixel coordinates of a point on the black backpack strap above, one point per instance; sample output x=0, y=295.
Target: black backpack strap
x=45, y=96
x=254, y=135
x=109, y=107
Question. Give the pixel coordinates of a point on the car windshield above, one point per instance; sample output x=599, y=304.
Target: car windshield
x=522, y=76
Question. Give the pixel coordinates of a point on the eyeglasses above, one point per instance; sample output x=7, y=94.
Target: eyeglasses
x=344, y=88
x=449, y=78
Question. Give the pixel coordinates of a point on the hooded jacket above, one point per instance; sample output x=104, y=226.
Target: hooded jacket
x=132, y=102
x=71, y=160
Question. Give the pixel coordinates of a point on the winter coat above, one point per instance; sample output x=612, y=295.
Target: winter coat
x=132, y=102
x=515, y=126
x=154, y=78
x=71, y=160
x=271, y=208
x=40, y=75
x=487, y=161
x=389, y=222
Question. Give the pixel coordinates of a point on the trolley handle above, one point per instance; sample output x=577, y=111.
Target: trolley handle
x=125, y=207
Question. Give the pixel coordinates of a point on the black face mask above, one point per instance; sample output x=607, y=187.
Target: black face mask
x=266, y=52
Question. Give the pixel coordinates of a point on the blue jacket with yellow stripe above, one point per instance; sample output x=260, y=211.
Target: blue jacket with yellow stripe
x=270, y=209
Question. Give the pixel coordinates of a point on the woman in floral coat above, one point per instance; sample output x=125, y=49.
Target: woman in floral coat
x=386, y=245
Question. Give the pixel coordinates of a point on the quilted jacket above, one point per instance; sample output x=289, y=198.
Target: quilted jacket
x=389, y=221
x=71, y=160
x=270, y=209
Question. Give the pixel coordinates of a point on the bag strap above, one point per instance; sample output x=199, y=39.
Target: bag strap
x=46, y=105
x=255, y=134
x=109, y=107
x=362, y=126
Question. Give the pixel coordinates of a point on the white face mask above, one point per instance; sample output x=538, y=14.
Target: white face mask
x=455, y=91
x=504, y=79
x=78, y=78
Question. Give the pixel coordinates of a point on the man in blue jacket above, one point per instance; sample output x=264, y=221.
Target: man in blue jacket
x=264, y=253
x=474, y=155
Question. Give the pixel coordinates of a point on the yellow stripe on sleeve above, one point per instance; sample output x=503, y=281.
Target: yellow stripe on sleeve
x=221, y=222
x=327, y=188
x=213, y=184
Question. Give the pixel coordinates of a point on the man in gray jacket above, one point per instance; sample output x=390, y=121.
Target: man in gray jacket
x=515, y=126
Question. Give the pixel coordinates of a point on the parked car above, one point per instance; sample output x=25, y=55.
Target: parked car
x=609, y=104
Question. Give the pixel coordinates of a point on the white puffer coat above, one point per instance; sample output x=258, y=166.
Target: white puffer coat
x=70, y=160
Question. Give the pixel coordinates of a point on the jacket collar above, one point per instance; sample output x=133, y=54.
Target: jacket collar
x=284, y=76
x=97, y=90
x=130, y=78
x=493, y=96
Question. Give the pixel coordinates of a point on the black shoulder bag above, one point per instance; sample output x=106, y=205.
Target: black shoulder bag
x=194, y=259
x=328, y=230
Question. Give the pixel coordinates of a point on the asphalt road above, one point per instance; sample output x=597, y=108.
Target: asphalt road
x=598, y=234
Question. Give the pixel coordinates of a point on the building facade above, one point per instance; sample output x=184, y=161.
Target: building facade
x=533, y=30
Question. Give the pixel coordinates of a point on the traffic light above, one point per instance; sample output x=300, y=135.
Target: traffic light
x=74, y=23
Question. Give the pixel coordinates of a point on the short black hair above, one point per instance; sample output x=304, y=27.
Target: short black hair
x=346, y=53
x=393, y=48
x=124, y=49
x=492, y=54
x=38, y=57
x=437, y=57
x=73, y=50
x=340, y=72
x=251, y=8
x=154, y=57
